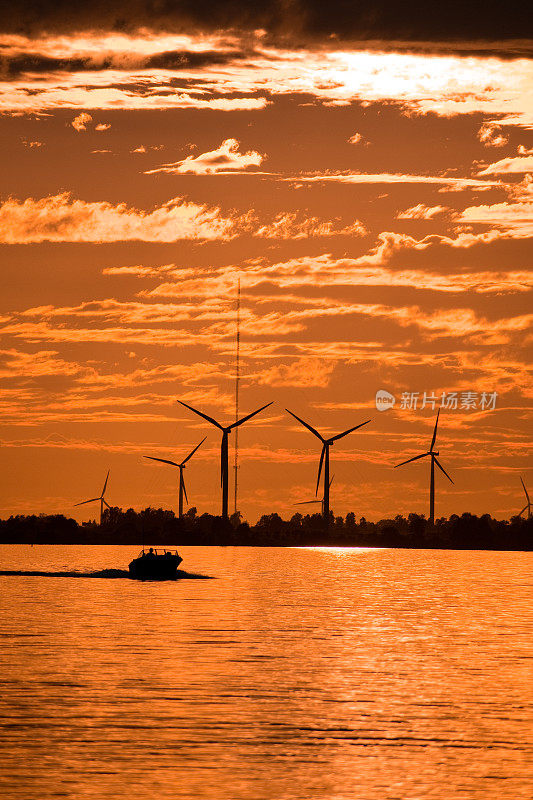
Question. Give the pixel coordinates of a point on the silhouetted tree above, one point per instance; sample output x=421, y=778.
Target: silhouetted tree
x=160, y=526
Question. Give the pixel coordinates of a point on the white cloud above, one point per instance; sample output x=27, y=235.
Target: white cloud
x=520, y=165
x=225, y=159
x=302, y=372
x=287, y=225
x=80, y=122
x=421, y=211
x=458, y=184
x=491, y=135
x=60, y=218
x=514, y=219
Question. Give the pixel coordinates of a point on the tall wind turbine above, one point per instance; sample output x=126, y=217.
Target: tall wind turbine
x=181, y=467
x=324, y=458
x=224, y=466
x=433, y=454
x=527, y=506
x=102, y=499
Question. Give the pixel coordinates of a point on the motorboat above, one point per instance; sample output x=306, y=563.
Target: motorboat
x=155, y=565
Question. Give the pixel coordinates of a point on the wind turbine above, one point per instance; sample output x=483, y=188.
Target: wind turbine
x=224, y=468
x=102, y=499
x=308, y=502
x=324, y=458
x=181, y=467
x=527, y=507
x=433, y=453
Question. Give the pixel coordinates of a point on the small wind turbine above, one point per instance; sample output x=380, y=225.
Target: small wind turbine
x=527, y=507
x=431, y=452
x=324, y=458
x=181, y=467
x=102, y=499
x=308, y=502
x=224, y=468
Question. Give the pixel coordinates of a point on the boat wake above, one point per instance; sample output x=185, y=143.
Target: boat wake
x=101, y=573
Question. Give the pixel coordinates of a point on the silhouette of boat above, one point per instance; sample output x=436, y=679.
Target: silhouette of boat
x=155, y=565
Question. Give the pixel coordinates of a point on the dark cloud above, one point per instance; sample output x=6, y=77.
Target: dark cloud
x=11, y=67
x=175, y=60
x=36, y=63
x=414, y=21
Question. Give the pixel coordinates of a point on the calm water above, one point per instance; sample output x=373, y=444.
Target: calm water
x=317, y=674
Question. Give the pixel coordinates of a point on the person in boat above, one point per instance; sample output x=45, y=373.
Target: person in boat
x=150, y=553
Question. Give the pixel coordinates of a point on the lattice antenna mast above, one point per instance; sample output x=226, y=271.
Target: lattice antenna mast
x=237, y=379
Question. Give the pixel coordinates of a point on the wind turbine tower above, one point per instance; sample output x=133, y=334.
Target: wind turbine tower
x=237, y=379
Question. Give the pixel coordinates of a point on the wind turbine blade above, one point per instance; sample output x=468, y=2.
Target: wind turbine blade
x=184, y=489
x=331, y=481
x=249, y=416
x=442, y=469
x=345, y=433
x=412, y=459
x=435, y=431
x=322, y=454
x=519, y=513
x=105, y=484
x=192, y=452
x=163, y=460
x=92, y=500
x=105, y=503
x=201, y=414
x=307, y=502
x=525, y=490
x=306, y=425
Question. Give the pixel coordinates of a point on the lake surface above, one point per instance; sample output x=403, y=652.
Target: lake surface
x=316, y=674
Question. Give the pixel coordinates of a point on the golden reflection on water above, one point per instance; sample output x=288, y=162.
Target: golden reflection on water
x=320, y=673
x=344, y=552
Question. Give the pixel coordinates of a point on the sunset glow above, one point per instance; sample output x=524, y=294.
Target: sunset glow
x=372, y=197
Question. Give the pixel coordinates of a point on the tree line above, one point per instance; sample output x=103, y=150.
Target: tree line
x=156, y=526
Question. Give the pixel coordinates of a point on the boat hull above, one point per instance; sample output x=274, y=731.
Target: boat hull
x=155, y=567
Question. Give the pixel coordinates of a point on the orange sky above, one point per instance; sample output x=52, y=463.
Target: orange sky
x=375, y=202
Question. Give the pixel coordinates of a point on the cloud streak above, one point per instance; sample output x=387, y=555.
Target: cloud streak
x=387, y=177
x=225, y=160
x=518, y=165
x=369, y=269
x=420, y=211
x=511, y=219
x=60, y=218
